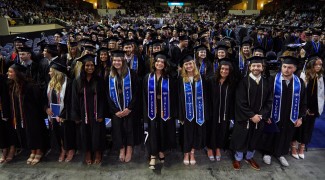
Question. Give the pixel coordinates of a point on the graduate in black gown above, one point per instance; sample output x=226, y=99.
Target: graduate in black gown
x=221, y=89
x=88, y=102
x=59, y=91
x=287, y=112
x=103, y=62
x=6, y=144
x=160, y=109
x=26, y=113
x=122, y=92
x=253, y=106
x=203, y=63
x=193, y=108
x=136, y=64
x=314, y=80
x=241, y=63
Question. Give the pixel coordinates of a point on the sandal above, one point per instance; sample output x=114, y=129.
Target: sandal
x=31, y=158
x=69, y=156
x=128, y=155
x=11, y=155
x=88, y=160
x=152, y=163
x=3, y=156
x=37, y=159
x=62, y=156
x=98, y=159
x=122, y=155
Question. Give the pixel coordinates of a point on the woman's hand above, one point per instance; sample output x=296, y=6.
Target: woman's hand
x=49, y=112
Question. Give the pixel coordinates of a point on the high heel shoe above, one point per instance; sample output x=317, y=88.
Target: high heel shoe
x=152, y=163
x=186, y=161
x=301, y=148
x=218, y=155
x=210, y=155
x=192, y=162
x=294, y=152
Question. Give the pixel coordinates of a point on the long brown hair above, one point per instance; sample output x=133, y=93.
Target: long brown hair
x=310, y=73
x=124, y=71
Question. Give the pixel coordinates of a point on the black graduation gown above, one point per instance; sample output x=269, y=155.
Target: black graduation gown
x=66, y=131
x=5, y=127
x=311, y=50
x=194, y=135
x=138, y=119
x=176, y=54
x=250, y=101
x=123, y=128
x=93, y=132
x=162, y=134
x=208, y=70
x=304, y=132
x=222, y=111
x=33, y=134
x=278, y=143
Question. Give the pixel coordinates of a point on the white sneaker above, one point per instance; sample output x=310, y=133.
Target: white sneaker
x=283, y=161
x=267, y=159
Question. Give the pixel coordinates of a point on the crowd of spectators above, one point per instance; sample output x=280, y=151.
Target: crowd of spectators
x=42, y=12
x=303, y=14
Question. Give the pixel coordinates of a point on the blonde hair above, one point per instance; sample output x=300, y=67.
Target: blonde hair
x=57, y=80
x=196, y=73
x=78, y=66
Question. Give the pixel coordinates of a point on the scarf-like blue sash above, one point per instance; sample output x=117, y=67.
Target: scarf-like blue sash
x=199, y=102
x=127, y=91
x=202, y=68
x=134, y=65
x=276, y=107
x=152, y=103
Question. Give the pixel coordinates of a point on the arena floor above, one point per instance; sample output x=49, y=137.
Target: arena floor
x=311, y=168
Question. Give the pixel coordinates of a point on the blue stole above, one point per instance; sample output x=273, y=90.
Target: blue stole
x=316, y=48
x=241, y=63
x=228, y=32
x=152, y=103
x=134, y=63
x=260, y=41
x=202, y=68
x=127, y=91
x=215, y=66
x=199, y=102
x=276, y=107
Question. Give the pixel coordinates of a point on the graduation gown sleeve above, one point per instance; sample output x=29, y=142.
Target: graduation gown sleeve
x=243, y=111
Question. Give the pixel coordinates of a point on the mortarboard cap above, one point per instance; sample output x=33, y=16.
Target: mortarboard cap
x=58, y=66
x=18, y=67
x=289, y=60
x=200, y=47
x=87, y=57
x=117, y=53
